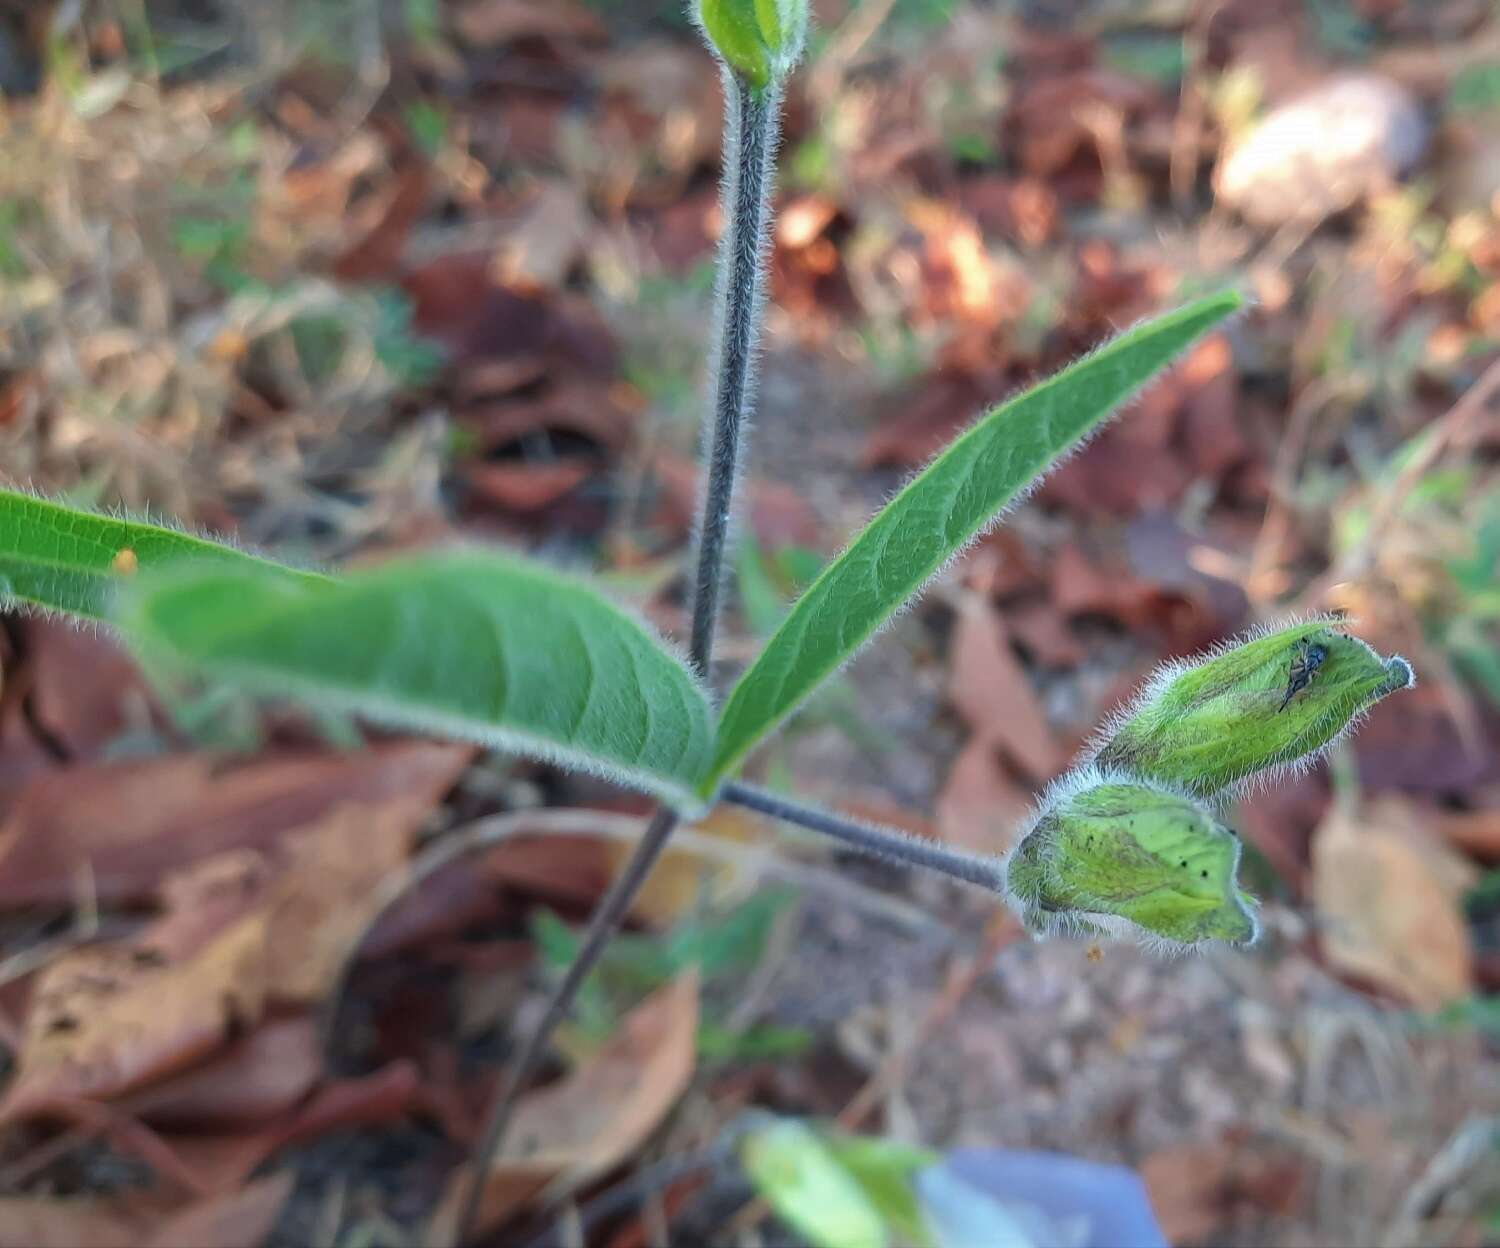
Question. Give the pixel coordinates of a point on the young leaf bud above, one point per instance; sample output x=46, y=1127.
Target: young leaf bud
x=1271, y=702
x=758, y=39
x=1126, y=858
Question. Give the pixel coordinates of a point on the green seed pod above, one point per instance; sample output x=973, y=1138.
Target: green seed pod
x=1251, y=709
x=758, y=39
x=1115, y=856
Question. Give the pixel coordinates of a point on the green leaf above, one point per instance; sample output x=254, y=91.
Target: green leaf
x=478, y=646
x=1475, y=89
x=810, y=1191
x=594, y=1017
x=63, y=559
x=939, y=512
x=884, y=1169
x=728, y=943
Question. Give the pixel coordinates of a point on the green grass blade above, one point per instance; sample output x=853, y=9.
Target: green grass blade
x=466, y=644
x=939, y=511
x=63, y=559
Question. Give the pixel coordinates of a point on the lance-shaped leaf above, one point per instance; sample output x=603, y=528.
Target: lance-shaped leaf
x=938, y=513
x=65, y=559
x=478, y=646
x=1273, y=701
x=1126, y=858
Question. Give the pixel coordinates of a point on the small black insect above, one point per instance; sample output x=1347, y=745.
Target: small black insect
x=1306, y=661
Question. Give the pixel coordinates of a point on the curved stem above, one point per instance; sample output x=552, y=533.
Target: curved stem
x=750, y=126
x=885, y=843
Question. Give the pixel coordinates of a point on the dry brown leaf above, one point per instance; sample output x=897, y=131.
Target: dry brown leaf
x=685, y=878
x=325, y=894
x=240, y=1220
x=108, y=1019
x=42, y=1222
x=1476, y=832
x=925, y=417
x=132, y=822
x=1189, y=1185
x=959, y=281
x=575, y=869
x=523, y=487
x=221, y=1162
x=86, y=688
x=1389, y=905
x=491, y=23
x=377, y=256
x=779, y=515
x=1212, y=428
x=990, y=690
x=241, y=929
x=1199, y=1189
x=1119, y=475
x=587, y=1123
x=456, y=300
x=1080, y=587
x=580, y=409
x=1280, y=820
x=258, y=1077
x=801, y=220
x=1043, y=630
x=1023, y=210
x=980, y=805
x=1001, y=564
x=551, y=235
x=1045, y=115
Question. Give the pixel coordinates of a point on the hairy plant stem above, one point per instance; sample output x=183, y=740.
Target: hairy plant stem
x=750, y=128
x=885, y=843
x=749, y=146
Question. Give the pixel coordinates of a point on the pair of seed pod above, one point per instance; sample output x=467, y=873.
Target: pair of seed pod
x=1128, y=844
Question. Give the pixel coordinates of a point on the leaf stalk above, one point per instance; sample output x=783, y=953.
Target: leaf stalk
x=877, y=842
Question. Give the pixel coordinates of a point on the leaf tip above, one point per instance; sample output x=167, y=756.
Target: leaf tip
x=1398, y=675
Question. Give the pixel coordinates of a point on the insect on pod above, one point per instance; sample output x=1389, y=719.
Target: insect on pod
x=1258, y=705
x=1308, y=659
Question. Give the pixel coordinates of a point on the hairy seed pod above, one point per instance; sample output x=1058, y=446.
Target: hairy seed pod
x=1271, y=702
x=758, y=39
x=1129, y=859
